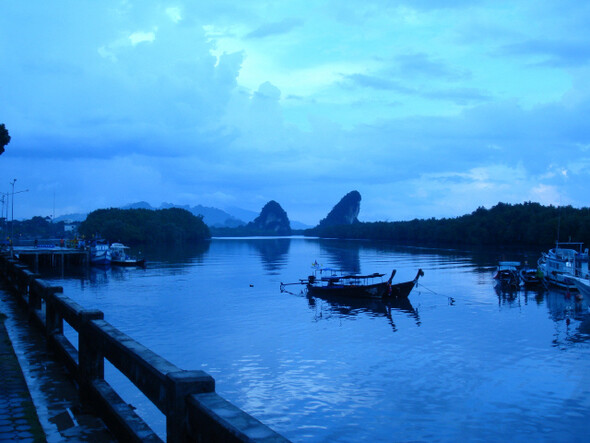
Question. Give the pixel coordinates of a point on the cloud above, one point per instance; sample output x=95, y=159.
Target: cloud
x=422, y=65
x=275, y=28
x=377, y=82
x=141, y=37
x=427, y=108
x=554, y=53
x=458, y=95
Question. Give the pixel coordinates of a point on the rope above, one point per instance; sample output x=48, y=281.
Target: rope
x=449, y=298
x=452, y=300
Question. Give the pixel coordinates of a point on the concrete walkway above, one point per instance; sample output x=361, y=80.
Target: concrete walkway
x=38, y=400
x=18, y=417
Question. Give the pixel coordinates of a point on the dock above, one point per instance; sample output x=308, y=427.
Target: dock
x=51, y=256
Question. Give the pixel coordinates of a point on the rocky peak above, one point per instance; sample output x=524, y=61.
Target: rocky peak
x=272, y=219
x=345, y=212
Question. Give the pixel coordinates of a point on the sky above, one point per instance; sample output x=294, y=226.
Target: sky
x=427, y=108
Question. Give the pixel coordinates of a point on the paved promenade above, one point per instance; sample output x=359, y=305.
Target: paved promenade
x=18, y=417
x=38, y=402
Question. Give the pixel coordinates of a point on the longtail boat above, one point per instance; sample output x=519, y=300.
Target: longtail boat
x=327, y=282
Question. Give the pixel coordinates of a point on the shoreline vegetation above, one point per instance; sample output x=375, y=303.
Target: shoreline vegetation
x=525, y=224
x=143, y=226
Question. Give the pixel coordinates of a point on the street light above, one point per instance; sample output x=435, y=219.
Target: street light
x=4, y=200
x=12, y=216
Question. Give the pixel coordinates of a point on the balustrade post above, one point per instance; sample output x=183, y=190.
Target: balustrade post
x=180, y=385
x=34, y=296
x=90, y=353
x=53, y=319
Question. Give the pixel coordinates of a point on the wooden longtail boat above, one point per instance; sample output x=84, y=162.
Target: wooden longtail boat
x=360, y=286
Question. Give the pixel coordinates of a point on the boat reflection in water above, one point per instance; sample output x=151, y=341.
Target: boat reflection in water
x=327, y=306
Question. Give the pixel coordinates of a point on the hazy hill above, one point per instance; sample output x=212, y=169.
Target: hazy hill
x=213, y=217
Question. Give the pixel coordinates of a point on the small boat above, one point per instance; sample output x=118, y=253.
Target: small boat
x=565, y=260
x=100, y=253
x=120, y=257
x=507, y=273
x=531, y=277
x=357, y=285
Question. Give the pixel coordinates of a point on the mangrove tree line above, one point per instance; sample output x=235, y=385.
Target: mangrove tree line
x=504, y=224
x=142, y=226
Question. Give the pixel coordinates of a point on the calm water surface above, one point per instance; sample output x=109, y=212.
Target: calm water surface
x=460, y=361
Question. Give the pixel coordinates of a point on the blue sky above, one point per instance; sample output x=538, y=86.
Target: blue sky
x=427, y=108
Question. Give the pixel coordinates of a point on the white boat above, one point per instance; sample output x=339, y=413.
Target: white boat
x=100, y=253
x=565, y=260
x=120, y=258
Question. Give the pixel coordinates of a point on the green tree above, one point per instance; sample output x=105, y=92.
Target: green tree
x=140, y=226
x=4, y=137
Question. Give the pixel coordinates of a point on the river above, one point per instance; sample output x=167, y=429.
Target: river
x=460, y=361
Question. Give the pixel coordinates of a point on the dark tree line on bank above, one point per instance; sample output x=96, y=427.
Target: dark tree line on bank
x=37, y=227
x=143, y=226
x=503, y=224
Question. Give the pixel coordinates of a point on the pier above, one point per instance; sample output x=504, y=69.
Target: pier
x=187, y=398
x=49, y=255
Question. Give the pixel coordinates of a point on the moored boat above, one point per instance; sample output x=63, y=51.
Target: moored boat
x=357, y=285
x=121, y=258
x=507, y=273
x=100, y=253
x=530, y=277
x=565, y=260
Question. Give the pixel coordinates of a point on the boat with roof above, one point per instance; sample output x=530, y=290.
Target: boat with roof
x=507, y=273
x=331, y=282
x=121, y=258
x=566, y=259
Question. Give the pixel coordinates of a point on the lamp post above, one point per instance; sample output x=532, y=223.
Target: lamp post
x=12, y=216
x=12, y=209
x=4, y=200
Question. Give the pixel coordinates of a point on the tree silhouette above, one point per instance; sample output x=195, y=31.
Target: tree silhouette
x=4, y=137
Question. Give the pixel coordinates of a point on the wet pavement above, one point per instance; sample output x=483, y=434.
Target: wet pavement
x=18, y=417
x=38, y=400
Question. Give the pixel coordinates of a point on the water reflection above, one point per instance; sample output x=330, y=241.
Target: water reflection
x=173, y=255
x=563, y=305
x=351, y=307
x=342, y=254
x=273, y=252
x=345, y=254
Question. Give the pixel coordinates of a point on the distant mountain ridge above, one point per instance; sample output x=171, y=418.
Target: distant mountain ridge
x=213, y=217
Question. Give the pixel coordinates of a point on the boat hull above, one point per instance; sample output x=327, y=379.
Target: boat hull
x=101, y=258
x=377, y=290
x=530, y=278
x=563, y=262
x=128, y=263
x=366, y=291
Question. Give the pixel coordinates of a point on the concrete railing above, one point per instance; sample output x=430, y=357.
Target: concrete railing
x=193, y=411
